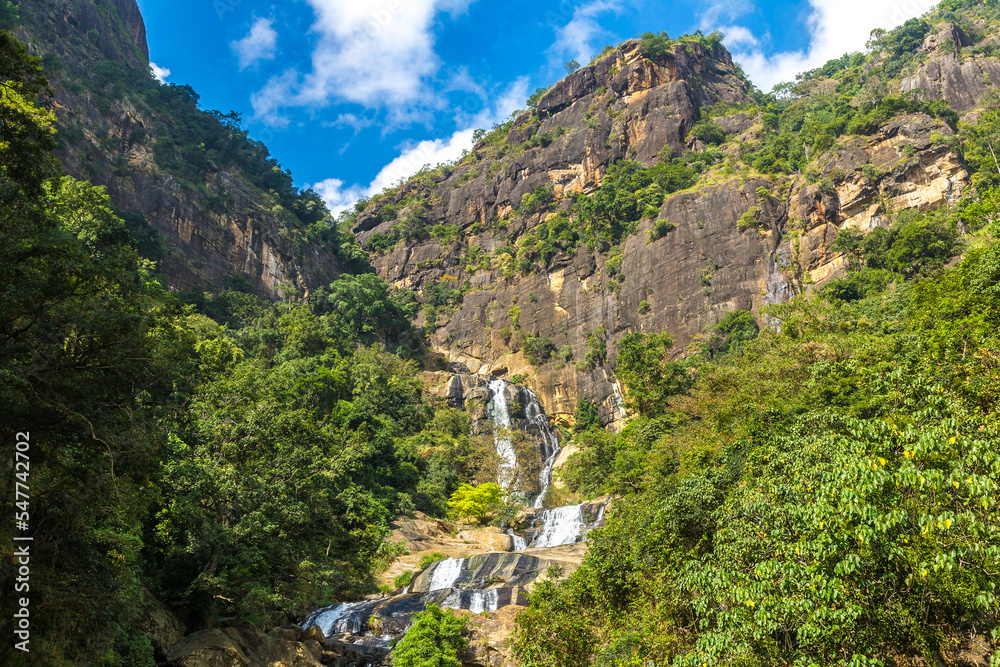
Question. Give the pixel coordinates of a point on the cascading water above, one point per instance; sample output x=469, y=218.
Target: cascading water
x=519, y=542
x=561, y=525
x=487, y=600
x=446, y=573
x=549, y=444
x=500, y=414
x=342, y=618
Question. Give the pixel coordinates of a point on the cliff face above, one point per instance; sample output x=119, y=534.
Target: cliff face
x=711, y=263
x=216, y=223
x=964, y=80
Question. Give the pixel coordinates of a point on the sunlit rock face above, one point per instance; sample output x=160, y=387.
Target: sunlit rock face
x=628, y=107
x=209, y=237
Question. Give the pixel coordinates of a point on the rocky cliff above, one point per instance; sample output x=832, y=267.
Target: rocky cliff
x=737, y=240
x=214, y=221
x=964, y=77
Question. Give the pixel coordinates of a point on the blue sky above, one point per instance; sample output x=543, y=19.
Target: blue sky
x=353, y=95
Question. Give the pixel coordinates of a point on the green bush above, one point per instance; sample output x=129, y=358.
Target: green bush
x=650, y=378
x=538, y=350
x=402, y=581
x=708, y=132
x=660, y=229
x=749, y=219
x=434, y=639
x=476, y=502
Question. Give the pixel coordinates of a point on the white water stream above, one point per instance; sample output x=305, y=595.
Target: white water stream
x=561, y=525
x=336, y=620
x=488, y=600
x=500, y=414
x=519, y=542
x=549, y=446
x=446, y=573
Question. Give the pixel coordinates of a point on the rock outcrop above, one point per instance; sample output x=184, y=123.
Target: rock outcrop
x=963, y=80
x=112, y=142
x=736, y=243
x=246, y=646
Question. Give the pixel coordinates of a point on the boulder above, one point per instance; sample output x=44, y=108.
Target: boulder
x=161, y=625
x=243, y=646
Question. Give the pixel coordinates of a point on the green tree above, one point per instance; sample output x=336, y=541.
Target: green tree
x=362, y=309
x=585, y=416
x=477, y=502
x=433, y=640
x=649, y=377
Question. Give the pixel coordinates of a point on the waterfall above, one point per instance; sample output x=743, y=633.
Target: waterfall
x=519, y=542
x=549, y=446
x=446, y=573
x=560, y=526
x=338, y=619
x=487, y=600
x=500, y=414
x=548, y=443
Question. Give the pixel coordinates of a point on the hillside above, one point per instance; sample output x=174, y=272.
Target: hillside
x=666, y=370
x=734, y=201
x=205, y=201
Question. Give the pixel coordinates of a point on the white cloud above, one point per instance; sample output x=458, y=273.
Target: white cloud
x=414, y=157
x=835, y=27
x=378, y=53
x=737, y=36
x=160, y=73
x=576, y=39
x=261, y=43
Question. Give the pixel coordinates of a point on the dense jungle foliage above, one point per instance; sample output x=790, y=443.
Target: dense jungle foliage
x=231, y=457
x=821, y=492
x=818, y=492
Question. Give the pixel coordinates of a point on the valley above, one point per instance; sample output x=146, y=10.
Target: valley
x=663, y=370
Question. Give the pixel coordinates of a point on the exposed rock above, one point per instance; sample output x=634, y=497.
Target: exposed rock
x=949, y=75
x=489, y=635
x=949, y=34
x=905, y=170
x=243, y=646
x=207, y=244
x=161, y=625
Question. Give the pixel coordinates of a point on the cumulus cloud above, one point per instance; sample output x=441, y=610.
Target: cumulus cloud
x=576, y=39
x=415, y=156
x=835, y=27
x=378, y=53
x=161, y=73
x=261, y=43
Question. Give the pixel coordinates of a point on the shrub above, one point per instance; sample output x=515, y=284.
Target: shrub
x=402, y=581
x=748, y=219
x=538, y=350
x=660, y=229
x=645, y=370
x=585, y=416
x=477, y=502
x=433, y=640
x=644, y=307
x=708, y=132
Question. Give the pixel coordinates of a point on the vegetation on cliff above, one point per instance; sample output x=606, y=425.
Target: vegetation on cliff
x=232, y=456
x=825, y=490
x=818, y=491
